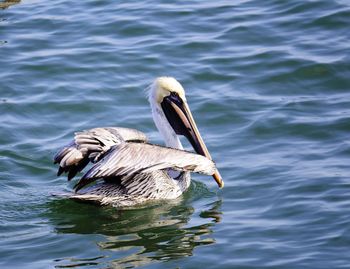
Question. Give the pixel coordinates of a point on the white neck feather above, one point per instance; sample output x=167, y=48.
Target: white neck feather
x=170, y=137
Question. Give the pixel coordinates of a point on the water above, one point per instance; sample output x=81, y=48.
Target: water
x=268, y=83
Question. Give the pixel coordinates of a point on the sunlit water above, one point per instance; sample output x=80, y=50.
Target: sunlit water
x=268, y=83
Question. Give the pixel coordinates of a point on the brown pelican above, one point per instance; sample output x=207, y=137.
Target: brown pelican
x=130, y=171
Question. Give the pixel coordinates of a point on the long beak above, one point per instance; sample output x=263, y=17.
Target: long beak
x=180, y=117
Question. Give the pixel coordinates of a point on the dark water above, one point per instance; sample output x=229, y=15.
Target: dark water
x=269, y=85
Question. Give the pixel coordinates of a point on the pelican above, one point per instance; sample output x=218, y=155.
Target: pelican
x=127, y=170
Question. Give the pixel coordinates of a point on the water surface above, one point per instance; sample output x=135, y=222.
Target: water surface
x=268, y=83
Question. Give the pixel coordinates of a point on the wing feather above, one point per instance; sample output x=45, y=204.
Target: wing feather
x=128, y=159
x=92, y=145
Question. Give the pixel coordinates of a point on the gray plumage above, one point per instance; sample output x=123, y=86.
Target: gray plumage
x=91, y=145
x=131, y=170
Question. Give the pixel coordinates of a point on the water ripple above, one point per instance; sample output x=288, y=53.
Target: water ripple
x=268, y=86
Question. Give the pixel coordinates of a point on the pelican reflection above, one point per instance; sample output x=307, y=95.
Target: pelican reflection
x=131, y=238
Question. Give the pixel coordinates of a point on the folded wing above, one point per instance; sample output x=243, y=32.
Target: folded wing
x=92, y=145
x=127, y=159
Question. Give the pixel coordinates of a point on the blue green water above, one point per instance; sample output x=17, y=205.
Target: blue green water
x=268, y=83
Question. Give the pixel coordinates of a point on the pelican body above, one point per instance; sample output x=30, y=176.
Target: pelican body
x=127, y=170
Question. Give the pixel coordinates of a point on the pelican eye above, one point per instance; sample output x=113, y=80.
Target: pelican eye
x=175, y=97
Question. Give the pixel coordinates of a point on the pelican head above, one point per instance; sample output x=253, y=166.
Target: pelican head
x=169, y=104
